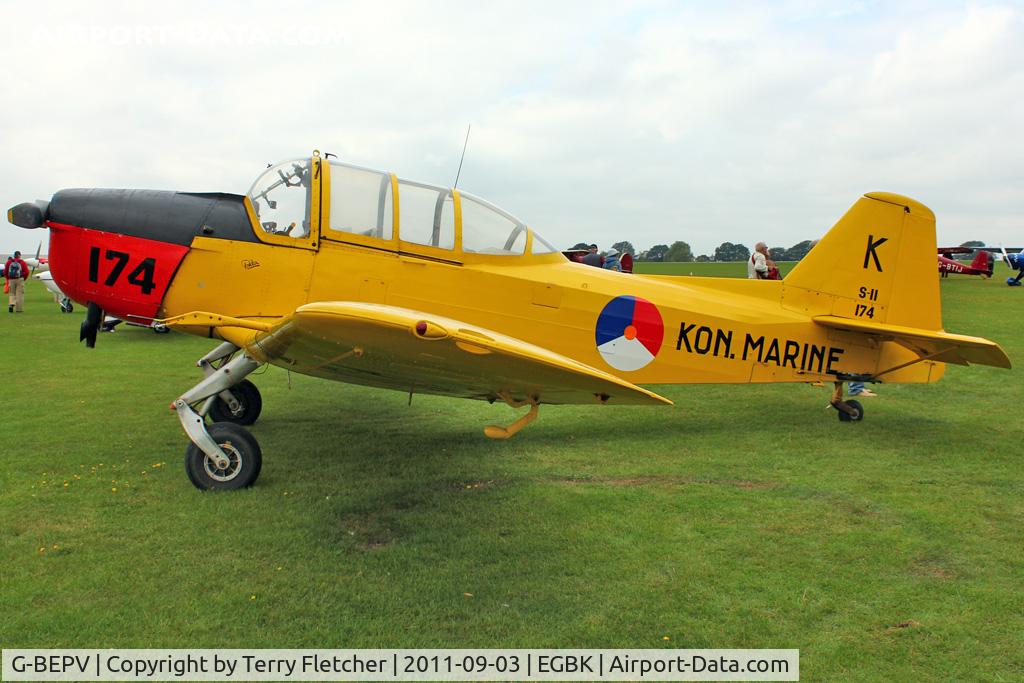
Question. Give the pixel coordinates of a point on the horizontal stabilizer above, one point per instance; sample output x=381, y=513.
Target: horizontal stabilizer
x=932, y=345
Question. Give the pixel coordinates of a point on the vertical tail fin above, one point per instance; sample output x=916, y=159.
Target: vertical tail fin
x=983, y=261
x=877, y=264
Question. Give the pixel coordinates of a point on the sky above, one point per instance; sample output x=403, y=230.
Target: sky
x=642, y=121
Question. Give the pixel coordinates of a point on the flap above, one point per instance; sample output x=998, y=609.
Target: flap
x=408, y=350
x=935, y=345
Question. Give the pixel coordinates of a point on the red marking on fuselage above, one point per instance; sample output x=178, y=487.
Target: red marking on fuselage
x=126, y=276
x=649, y=326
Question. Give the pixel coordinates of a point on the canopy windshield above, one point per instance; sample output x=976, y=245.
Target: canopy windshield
x=281, y=198
x=486, y=229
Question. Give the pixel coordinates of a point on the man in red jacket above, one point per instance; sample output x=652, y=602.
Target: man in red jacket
x=16, y=272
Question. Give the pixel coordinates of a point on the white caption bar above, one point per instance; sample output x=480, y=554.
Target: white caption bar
x=401, y=665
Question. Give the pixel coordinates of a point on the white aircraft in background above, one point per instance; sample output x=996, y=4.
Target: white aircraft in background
x=46, y=277
x=66, y=306
x=37, y=262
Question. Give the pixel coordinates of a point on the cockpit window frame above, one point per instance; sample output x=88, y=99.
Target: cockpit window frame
x=519, y=227
x=309, y=241
x=328, y=233
x=434, y=252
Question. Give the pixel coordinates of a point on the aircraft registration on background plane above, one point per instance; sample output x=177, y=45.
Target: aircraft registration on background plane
x=356, y=275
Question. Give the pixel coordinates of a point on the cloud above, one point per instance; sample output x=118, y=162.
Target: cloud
x=649, y=122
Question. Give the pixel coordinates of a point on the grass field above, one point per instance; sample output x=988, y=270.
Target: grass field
x=745, y=516
x=726, y=269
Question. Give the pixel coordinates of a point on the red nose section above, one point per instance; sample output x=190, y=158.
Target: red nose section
x=126, y=276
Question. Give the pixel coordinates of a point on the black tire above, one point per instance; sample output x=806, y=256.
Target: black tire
x=246, y=394
x=846, y=417
x=243, y=451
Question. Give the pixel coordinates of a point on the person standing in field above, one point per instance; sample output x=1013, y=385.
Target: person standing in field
x=760, y=266
x=592, y=258
x=858, y=389
x=611, y=261
x=757, y=264
x=16, y=272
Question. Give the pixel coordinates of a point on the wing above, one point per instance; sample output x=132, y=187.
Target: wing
x=398, y=348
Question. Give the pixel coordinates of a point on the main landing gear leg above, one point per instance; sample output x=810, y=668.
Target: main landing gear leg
x=849, y=410
x=241, y=403
x=497, y=432
x=225, y=456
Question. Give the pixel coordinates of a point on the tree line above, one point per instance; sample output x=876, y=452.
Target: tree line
x=680, y=252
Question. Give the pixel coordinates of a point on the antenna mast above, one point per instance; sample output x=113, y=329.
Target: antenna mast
x=465, y=142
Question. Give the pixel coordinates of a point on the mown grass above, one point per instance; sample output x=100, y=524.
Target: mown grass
x=705, y=269
x=743, y=517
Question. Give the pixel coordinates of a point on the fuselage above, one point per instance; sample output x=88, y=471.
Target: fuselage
x=693, y=330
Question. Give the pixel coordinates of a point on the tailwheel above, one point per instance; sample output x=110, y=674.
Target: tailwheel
x=248, y=404
x=241, y=467
x=854, y=414
x=849, y=410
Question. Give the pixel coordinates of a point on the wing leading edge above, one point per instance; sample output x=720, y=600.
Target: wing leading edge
x=398, y=348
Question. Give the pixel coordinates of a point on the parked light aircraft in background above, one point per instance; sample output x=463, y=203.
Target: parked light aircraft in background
x=1015, y=261
x=46, y=277
x=37, y=264
x=356, y=275
x=1013, y=257
x=981, y=265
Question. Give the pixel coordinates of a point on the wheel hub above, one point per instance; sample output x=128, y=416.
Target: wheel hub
x=234, y=464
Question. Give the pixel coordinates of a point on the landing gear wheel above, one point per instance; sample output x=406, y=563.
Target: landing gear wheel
x=244, y=460
x=251, y=402
x=858, y=412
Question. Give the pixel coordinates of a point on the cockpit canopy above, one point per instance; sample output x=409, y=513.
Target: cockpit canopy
x=361, y=203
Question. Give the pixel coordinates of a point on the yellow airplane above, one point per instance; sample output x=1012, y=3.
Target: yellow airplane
x=352, y=274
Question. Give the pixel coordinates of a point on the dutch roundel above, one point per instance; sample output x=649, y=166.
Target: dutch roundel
x=629, y=333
